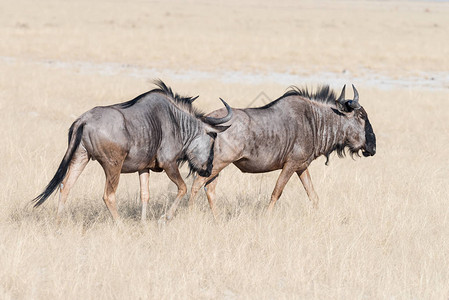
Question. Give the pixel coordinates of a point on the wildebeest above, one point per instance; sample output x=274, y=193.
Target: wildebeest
x=155, y=131
x=288, y=134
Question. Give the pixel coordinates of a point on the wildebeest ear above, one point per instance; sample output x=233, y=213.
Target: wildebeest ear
x=344, y=107
x=216, y=128
x=347, y=107
x=341, y=107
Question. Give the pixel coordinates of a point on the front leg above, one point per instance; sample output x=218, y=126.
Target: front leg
x=196, y=186
x=210, y=186
x=304, y=176
x=144, y=178
x=173, y=173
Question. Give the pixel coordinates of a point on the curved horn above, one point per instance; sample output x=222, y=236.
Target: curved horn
x=354, y=104
x=356, y=94
x=217, y=121
x=341, y=98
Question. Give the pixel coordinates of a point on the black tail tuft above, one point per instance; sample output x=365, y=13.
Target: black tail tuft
x=63, y=166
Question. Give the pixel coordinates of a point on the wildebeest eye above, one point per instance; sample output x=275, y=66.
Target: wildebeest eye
x=212, y=134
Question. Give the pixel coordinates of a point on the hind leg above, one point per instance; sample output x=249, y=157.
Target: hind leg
x=109, y=194
x=112, y=172
x=144, y=178
x=77, y=165
x=285, y=175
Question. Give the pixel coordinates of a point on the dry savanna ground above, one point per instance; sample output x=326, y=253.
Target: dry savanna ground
x=381, y=230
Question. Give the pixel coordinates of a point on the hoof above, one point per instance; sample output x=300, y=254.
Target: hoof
x=163, y=220
x=119, y=224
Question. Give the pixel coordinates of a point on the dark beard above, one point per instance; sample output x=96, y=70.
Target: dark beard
x=341, y=151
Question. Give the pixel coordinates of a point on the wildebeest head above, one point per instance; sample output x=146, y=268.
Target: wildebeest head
x=200, y=152
x=359, y=132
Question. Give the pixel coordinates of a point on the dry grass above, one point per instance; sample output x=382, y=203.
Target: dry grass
x=382, y=229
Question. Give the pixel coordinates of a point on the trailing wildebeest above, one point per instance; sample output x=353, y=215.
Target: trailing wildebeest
x=288, y=134
x=155, y=131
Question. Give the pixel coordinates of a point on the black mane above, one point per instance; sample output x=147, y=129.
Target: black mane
x=323, y=94
x=183, y=101
x=164, y=89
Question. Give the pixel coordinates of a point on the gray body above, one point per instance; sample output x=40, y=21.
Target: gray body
x=289, y=134
x=145, y=134
x=155, y=131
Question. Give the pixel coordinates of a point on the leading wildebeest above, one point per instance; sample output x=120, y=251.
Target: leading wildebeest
x=155, y=131
x=288, y=134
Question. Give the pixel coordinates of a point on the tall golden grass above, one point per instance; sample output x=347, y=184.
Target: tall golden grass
x=382, y=227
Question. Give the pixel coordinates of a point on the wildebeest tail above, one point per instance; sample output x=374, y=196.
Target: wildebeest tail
x=75, y=134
